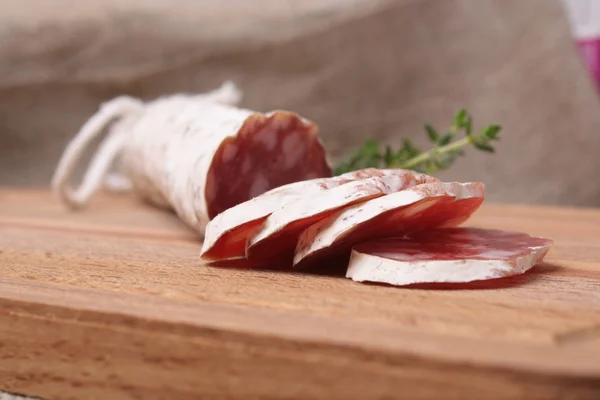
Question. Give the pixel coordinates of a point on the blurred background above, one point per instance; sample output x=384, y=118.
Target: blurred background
x=359, y=68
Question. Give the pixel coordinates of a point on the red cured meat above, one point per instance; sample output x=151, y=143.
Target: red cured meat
x=276, y=241
x=422, y=207
x=227, y=234
x=198, y=155
x=272, y=150
x=446, y=255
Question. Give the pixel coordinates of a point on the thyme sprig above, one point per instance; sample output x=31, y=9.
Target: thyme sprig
x=442, y=155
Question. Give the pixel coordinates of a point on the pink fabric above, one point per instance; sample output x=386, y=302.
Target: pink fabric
x=590, y=49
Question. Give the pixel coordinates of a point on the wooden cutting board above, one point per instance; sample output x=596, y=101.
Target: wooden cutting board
x=113, y=303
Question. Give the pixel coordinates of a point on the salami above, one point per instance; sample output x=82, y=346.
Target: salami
x=200, y=155
x=446, y=255
x=422, y=207
x=228, y=233
x=276, y=239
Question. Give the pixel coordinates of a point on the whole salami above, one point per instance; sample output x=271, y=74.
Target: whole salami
x=197, y=154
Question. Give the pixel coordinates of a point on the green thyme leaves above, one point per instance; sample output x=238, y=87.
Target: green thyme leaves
x=446, y=148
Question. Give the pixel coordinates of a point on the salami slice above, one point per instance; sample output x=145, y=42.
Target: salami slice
x=446, y=255
x=422, y=207
x=276, y=239
x=227, y=234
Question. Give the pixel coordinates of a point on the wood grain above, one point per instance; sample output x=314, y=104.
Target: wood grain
x=112, y=302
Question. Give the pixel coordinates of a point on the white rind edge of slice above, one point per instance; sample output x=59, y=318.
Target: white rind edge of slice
x=370, y=268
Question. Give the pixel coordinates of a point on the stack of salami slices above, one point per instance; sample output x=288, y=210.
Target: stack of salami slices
x=391, y=226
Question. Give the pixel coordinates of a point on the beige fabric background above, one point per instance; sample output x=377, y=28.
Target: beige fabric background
x=359, y=68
